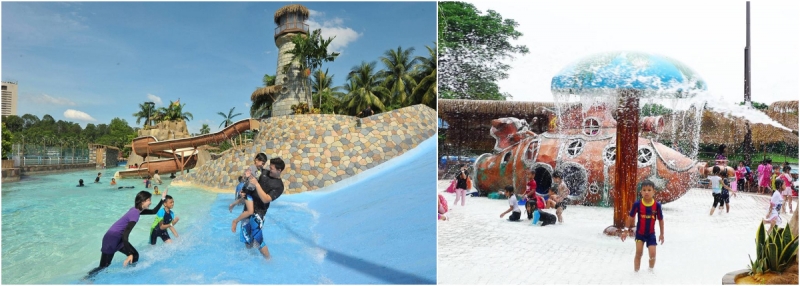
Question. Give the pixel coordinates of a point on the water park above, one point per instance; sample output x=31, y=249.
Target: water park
x=583, y=180
x=339, y=214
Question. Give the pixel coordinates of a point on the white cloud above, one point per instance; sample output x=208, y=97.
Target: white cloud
x=332, y=28
x=78, y=115
x=154, y=98
x=247, y=104
x=47, y=99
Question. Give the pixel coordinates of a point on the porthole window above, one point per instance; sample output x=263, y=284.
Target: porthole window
x=575, y=148
x=610, y=154
x=591, y=127
x=645, y=156
x=594, y=188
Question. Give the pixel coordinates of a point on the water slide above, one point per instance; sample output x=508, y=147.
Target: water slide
x=178, y=154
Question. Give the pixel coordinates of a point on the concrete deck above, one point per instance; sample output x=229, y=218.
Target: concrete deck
x=476, y=246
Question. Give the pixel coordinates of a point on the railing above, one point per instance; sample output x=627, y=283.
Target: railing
x=291, y=26
x=44, y=160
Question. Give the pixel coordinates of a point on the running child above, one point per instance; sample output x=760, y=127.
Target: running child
x=116, y=238
x=716, y=189
x=513, y=207
x=773, y=213
x=647, y=210
x=164, y=221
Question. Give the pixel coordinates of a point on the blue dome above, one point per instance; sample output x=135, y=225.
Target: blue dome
x=657, y=76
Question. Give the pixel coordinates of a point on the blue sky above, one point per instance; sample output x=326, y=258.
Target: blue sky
x=89, y=62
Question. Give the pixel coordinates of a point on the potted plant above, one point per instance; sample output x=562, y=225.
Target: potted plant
x=775, y=262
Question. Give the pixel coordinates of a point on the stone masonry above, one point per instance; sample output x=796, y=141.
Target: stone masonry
x=320, y=150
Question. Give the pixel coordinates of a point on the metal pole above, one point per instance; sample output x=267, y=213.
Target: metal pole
x=747, y=60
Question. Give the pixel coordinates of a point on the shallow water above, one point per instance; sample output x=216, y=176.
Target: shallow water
x=52, y=231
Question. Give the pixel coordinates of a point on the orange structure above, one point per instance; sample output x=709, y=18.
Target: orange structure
x=583, y=147
x=179, y=154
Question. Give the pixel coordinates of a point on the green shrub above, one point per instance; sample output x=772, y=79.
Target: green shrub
x=774, y=251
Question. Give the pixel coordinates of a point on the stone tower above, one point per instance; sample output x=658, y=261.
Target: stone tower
x=291, y=21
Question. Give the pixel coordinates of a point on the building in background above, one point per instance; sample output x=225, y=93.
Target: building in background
x=10, y=94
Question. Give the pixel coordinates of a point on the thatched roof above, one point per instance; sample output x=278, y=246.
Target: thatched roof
x=452, y=108
x=470, y=120
x=271, y=90
x=293, y=8
x=720, y=128
x=784, y=107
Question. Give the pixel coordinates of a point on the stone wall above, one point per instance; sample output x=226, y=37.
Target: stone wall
x=10, y=175
x=39, y=169
x=320, y=150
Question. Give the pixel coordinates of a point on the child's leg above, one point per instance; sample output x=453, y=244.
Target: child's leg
x=456, y=201
x=265, y=252
x=652, y=251
x=714, y=205
x=559, y=210
x=463, y=194
x=637, y=259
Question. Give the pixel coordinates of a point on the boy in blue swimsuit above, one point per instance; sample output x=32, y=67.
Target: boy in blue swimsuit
x=165, y=219
x=648, y=211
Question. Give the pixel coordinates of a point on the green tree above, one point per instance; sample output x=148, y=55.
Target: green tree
x=174, y=112
x=655, y=109
x=7, y=139
x=364, y=88
x=13, y=123
x=29, y=120
x=146, y=112
x=322, y=86
x=310, y=52
x=268, y=80
x=473, y=50
x=398, y=75
x=425, y=73
x=205, y=129
x=89, y=133
x=228, y=117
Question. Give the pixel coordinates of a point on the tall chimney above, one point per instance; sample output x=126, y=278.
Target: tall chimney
x=747, y=60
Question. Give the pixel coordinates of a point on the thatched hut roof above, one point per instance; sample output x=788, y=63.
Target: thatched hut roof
x=293, y=8
x=784, y=106
x=720, y=128
x=271, y=90
x=470, y=120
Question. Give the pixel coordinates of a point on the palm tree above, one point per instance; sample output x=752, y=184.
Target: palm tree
x=175, y=112
x=425, y=72
x=269, y=79
x=364, y=88
x=228, y=118
x=309, y=52
x=322, y=86
x=398, y=75
x=147, y=112
x=205, y=129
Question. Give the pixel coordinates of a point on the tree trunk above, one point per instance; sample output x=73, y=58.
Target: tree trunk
x=627, y=152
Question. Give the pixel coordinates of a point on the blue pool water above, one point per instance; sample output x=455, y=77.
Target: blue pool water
x=374, y=228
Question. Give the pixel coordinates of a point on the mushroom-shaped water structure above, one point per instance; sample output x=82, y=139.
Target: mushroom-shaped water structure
x=625, y=77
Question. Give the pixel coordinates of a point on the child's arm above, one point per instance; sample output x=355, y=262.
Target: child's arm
x=235, y=203
x=510, y=208
x=172, y=228
x=626, y=228
x=245, y=214
x=661, y=228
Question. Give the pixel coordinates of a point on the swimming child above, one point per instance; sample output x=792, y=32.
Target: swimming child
x=155, y=190
x=165, y=219
x=116, y=238
x=647, y=210
x=80, y=183
x=516, y=213
x=147, y=182
x=97, y=180
x=113, y=182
